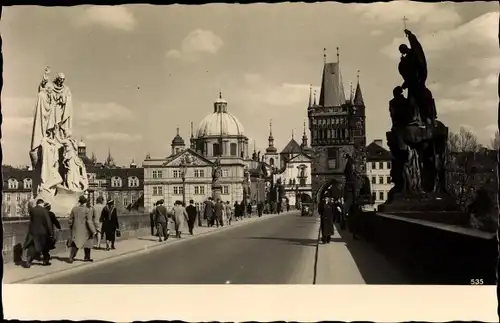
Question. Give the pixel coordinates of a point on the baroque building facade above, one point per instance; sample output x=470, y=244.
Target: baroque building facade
x=186, y=173
x=338, y=129
x=378, y=170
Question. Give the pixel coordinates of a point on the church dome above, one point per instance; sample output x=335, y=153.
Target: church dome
x=178, y=141
x=81, y=144
x=220, y=122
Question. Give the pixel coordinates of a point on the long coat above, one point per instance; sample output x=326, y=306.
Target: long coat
x=40, y=229
x=219, y=210
x=82, y=227
x=96, y=215
x=109, y=220
x=327, y=220
x=209, y=209
x=191, y=210
x=180, y=217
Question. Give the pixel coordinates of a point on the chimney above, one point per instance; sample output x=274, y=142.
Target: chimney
x=379, y=142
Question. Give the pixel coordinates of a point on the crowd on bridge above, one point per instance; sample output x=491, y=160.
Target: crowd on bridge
x=332, y=210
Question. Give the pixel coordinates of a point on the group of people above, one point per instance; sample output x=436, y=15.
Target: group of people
x=88, y=226
x=330, y=211
x=161, y=219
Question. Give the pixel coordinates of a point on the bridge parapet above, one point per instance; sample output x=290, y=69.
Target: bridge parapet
x=432, y=252
x=14, y=233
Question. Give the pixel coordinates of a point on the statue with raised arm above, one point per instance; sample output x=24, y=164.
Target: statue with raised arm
x=59, y=175
x=216, y=171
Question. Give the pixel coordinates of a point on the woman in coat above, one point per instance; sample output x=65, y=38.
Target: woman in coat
x=109, y=220
x=82, y=230
x=180, y=218
x=327, y=219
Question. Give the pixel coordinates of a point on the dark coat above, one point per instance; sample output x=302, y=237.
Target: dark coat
x=191, y=211
x=237, y=210
x=219, y=209
x=161, y=214
x=109, y=220
x=54, y=220
x=40, y=230
x=209, y=209
x=327, y=220
x=82, y=227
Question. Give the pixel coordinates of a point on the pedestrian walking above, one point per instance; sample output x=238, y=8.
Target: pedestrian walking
x=198, y=215
x=260, y=208
x=161, y=220
x=82, y=231
x=237, y=214
x=209, y=212
x=229, y=213
x=327, y=219
x=40, y=235
x=192, y=212
x=180, y=216
x=110, y=225
x=152, y=223
x=96, y=217
x=249, y=209
x=219, y=209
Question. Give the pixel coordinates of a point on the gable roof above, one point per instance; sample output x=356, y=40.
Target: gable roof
x=375, y=152
x=197, y=158
x=301, y=157
x=292, y=147
x=332, y=87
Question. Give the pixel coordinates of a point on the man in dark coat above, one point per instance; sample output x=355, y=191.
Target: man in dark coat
x=40, y=234
x=161, y=219
x=209, y=212
x=152, y=223
x=109, y=220
x=219, y=209
x=260, y=208
x=327, y=219
x=55, y=224
x=191, y=211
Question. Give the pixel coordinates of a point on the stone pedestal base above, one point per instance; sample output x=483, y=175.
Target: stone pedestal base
x=216, y=191
x=61, y=203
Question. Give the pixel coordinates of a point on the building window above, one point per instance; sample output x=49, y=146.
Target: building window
x=233, y=148
x=7, y=197
x=18, y=197
x=374, y=180
x=125, y=201
x=374, y=165
x=12, y=183
x=177, y=173
x=177, y=190
x=381, y=165
x=225, y=173
x=388, y=165
x=389, y=179
x=199, y=173
x=225, y=190
x=381, y=179
x=28, y=183
x=332, y=158
x=157, y=190
x=381, y=195
x=374, y=196
x=199, y=190
x=133, y=181
x=116, y=181
x=157, y=174
x=216, y=150
x=271, y=161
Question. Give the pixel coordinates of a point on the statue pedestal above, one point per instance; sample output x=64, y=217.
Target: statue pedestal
x=62, y=203
x=216, y=191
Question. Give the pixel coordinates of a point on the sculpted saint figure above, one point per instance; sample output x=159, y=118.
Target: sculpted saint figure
x=75, y=174
x=403, y=111
x=216, y=171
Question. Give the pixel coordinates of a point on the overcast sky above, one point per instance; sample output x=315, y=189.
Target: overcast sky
x=138, y=71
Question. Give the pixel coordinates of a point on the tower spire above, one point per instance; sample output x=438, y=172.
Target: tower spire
x=358, y=96
x=324, y=55
x=310, y=95
x=177, y=130
x=338, y=55
x=314, y=98
x=304, y=136
x=192, y=131
x=293, y=133
x=271, y=148
x=351, y=97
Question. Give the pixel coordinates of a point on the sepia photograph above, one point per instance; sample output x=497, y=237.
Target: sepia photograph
x=258, y=144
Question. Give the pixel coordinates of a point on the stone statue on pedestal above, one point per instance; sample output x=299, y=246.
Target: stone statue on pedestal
x=417, y=141
x=59, y=175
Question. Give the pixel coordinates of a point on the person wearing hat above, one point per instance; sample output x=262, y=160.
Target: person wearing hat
x=152, y=222
x=40, y=234
x=83, y=230
x=161, y=219
x=110, y=225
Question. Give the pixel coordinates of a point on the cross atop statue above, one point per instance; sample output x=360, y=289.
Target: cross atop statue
x=404, y=21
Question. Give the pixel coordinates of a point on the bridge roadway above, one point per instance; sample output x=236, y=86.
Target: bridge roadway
x=279, y=250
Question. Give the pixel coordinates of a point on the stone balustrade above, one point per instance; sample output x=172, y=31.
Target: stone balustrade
x=431, y=252
x=15, y=232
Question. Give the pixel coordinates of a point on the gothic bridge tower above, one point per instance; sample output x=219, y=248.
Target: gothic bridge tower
x=337, y=127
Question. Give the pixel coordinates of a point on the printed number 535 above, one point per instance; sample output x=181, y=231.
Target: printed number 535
x=476, y=282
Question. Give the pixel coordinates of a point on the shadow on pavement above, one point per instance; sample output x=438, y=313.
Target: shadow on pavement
x=293, y=241
x=373, y=266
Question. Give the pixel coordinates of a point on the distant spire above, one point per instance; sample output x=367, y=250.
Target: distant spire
x=177, y=131
x=270, y=127
x=338, y=55
x=304, y=136
x=293, y=132
x=271, y=148
x=314, y=103
x=220, y=94
x=192, y=131
x=324, y=55
x=310, y=95
x=351, y=97
x=358, y=96
x=254, y=146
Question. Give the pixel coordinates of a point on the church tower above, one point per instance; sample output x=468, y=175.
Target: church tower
x=271, y=157
x=332, y=123
x=359, y=128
